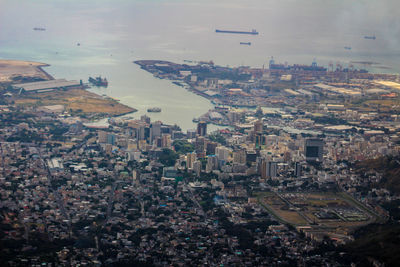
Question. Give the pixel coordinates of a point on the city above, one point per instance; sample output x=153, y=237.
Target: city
x=306, y=157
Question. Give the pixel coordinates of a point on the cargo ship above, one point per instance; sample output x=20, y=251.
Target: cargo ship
x=245, y=43
x=39, y=29
x=370, y=37
x=154, y=110
x=253, y=32
x=98, y=81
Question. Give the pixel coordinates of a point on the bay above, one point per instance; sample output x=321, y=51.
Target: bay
x=112, y=34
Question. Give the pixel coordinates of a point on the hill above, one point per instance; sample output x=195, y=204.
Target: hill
x=389, y=167
x=376, y=243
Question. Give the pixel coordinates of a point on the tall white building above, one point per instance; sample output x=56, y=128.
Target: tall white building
x=222, y=153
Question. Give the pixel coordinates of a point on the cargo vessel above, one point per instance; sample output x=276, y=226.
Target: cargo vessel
x=98, y=81
x=245, y=43
x=154, y=110
x=253, y=32
x=370, y=37
x=39, y=29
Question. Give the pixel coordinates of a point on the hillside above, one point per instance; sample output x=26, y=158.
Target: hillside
x=389, y=167
x=376, y=243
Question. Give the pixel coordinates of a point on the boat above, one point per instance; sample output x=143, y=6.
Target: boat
x=39, y=29
x=155, y=109
x=370, y=37
x=98, y=81
x=347, y=47
x=253, y=32
x=245, y=43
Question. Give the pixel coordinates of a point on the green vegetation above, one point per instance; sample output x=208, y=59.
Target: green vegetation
x=393, y=207
x=25, y=136
x=217, y=138
x=168, y=157
x=183, y=146
x=390, y=168
x=329, y=120
x=376, y=242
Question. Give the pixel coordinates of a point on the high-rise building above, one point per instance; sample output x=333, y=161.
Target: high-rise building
x=202, y=128
x=145, y=119
x=190, y=159
x=197, y=167
x=200, y=144
x=259, y=139
x=212, y=163
x=239, y=156
x=268, y=169
x=314, y=149
x=103, y=137
x=142, y=132
x=155, y=130
x=251, y=156
x=166, y=140
x=298, y=169
x=210, y=148
x=111, y=139
x=190, y=134
x=222, y=153
x=258, y=127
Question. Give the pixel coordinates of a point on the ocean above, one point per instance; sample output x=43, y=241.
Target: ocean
x=112, y=34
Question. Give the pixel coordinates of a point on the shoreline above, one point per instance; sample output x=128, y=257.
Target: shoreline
x=77, y=100
x=12, y=70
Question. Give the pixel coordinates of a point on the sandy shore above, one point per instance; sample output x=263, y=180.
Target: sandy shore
x=10, y=69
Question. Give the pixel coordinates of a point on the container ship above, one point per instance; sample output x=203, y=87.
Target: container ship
x=39, y=29
x=253, y=32
x=370, y=37
x=245, y=43
x=98, y=81
x=154, y=110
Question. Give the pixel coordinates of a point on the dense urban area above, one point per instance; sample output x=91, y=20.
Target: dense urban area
x=305, y=172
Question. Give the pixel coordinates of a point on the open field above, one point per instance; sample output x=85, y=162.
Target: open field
x=75, y=100
x=322, y=209
x=15, y=70
x=280, y=210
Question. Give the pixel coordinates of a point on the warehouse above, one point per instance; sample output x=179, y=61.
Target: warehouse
x=46, y=86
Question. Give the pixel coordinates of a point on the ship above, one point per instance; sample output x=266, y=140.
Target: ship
x=347, y=47
x=39, y=29
x=253, y=32
x=370, y=37
x=245, y=43
x=98, y=81
x=154, y=109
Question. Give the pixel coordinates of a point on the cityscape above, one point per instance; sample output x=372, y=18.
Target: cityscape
x=293, y=164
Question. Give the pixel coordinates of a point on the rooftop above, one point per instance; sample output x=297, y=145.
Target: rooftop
x=53, y=84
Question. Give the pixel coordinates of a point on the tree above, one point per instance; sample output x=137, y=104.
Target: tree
x=168, y=157
x=217, y=138
x=183, y=146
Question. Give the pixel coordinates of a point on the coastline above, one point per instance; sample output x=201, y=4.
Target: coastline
x=12, y=70
x=76, y=100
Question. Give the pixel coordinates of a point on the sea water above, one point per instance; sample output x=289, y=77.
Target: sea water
x=91, y=38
